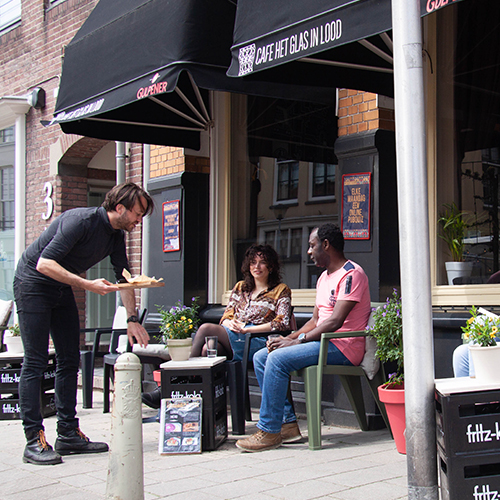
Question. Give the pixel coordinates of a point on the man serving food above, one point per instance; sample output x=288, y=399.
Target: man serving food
x=46, y=272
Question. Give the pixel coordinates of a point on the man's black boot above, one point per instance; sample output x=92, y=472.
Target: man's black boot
x=38, y=451
x=72, y=441
x=152, y=399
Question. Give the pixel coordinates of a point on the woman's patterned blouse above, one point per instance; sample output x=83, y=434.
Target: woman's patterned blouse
x=270, y=306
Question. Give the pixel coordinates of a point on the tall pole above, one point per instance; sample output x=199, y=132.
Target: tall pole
x=414, y=251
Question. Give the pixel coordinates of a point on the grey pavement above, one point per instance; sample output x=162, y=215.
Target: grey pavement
x=351, y=465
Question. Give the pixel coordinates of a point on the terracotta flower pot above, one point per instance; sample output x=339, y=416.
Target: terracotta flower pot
x=179, y=349
x=486, y=362
x=393, y=397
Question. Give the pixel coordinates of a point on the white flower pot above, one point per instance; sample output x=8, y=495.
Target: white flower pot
x=179, y=349
x=13, y=344
x=458, y=270
x=486, y=362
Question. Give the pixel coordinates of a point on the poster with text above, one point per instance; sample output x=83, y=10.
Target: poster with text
x=171, y=236
x=180, y=426
x=356, y=203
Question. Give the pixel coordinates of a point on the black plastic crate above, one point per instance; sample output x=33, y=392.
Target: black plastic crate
x=469, y=477
x=208, y=383
x=214, y=428
x=11, y=410
x=10, y=378
x=468, y=423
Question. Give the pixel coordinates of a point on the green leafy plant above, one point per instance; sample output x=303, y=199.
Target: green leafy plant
x=15, y=331
x=481, y=329
x=387, y=329
x=180, y=321
x=453, y=229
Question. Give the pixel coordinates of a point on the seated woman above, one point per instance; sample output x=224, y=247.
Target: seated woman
x=259, y=303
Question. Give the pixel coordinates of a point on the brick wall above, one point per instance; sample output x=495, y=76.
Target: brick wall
x=166, y=160
x=359, y=112
x=31, y=55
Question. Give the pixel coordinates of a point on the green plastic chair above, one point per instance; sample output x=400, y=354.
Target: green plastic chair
x=350, y=377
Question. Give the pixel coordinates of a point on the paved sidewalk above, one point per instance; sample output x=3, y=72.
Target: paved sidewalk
x=352, y=465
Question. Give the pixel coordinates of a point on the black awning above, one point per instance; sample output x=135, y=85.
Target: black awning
x=315, y=38
x=139, y=71
x=121, y=75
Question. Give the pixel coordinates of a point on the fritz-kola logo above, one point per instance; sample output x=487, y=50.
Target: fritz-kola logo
x=154, y=88
x=246, y=58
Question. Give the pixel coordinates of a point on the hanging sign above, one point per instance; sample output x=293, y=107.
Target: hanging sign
x=356, y=203
x=171, y=236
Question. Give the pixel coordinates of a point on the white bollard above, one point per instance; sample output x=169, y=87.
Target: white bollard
x=125, y=466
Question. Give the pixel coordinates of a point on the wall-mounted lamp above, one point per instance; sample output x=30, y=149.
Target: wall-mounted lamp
x=36, y=98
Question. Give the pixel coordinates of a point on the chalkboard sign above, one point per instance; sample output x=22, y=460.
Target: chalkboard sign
x=356, y=204
x=180, y=426
x=171, y=237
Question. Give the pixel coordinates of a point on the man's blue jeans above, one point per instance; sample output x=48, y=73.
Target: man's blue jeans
x=273, y=372
x=43, y=310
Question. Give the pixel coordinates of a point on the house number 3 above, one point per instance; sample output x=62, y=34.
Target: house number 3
x=47, y=189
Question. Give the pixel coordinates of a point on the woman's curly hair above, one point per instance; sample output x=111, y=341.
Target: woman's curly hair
x=271, y=258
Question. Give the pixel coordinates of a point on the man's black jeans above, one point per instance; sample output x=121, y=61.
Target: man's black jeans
x=43, y=310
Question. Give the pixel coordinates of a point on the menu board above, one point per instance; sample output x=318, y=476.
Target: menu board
x=171, y=237
x=180, y=426
x=356, y=204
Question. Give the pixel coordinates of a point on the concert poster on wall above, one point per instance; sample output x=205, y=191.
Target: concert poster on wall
x=171, y=223
x=356, y=205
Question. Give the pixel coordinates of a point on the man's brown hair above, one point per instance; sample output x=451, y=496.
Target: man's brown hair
x=128, y=194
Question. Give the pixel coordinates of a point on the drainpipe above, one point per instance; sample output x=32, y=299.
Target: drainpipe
x=146, y=223
x=120, y=162
x=20, y=187
x=415, y=251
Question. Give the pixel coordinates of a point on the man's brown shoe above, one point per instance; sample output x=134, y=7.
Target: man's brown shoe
x=290, y=432
x=260, y=441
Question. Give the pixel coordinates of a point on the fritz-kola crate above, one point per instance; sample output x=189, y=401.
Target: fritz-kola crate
x=469, y=477
x=11, y=410
x=209, y=383
x=468, y=422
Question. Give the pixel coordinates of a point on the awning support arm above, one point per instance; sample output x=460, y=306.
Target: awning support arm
x=376, y=50
x=141, y=124
x=176, y=111
x=345, y=65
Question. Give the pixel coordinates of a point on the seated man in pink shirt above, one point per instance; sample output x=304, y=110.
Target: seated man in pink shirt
x=342, y=304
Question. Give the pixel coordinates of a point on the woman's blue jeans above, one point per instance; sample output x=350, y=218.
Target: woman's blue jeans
x=273, y=373
x=237, y=341
x=43, y=310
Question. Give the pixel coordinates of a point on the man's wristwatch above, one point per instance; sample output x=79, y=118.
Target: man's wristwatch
x=133, y=319
x=302, y=338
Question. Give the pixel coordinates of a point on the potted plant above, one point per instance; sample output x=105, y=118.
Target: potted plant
x=481, y=331
x=12, y=339
x=177, y=326
x=453, y=230
x=387, y=329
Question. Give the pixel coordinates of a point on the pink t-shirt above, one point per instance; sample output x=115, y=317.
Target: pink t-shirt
x=347, y=283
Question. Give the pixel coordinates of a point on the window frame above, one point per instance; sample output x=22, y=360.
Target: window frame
x=15, y=20
x=325, y=198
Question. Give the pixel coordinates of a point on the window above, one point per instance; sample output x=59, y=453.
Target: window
x=288, y=180
x=468, y=139
x=7, y=135
x=323, y=180
x=10, y=13
x=7, y=198
x=270, y=194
